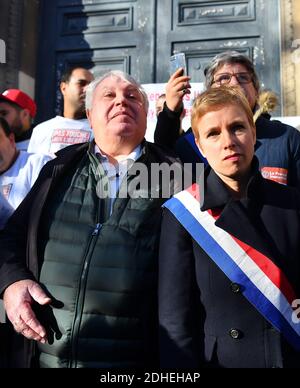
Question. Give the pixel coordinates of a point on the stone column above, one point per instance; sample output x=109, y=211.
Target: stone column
x=290, y=56
x=296, y=52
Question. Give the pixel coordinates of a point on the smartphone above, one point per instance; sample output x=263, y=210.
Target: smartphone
x=177, y=61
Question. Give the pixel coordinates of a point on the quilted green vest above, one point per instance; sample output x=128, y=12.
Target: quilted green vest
x=101, y=271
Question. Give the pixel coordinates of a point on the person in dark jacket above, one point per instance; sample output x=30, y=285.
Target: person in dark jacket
x=229, y=261
x=278, y=144
x=78, y=268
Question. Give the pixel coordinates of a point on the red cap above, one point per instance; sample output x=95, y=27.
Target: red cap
x=20, y=98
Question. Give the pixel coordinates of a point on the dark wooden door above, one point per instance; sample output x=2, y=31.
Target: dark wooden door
x=98, y=34
x=138, y=36
x=204, y=28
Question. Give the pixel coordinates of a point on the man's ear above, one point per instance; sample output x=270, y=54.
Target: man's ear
x=25, y=113
x=12, y=138
x=25, y=117
x=89, y=116
x=62, y=87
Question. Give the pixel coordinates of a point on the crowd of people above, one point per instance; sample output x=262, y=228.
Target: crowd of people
x=110, y=262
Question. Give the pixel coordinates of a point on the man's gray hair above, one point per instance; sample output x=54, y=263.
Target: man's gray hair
x=229, y=57
x=118, y=74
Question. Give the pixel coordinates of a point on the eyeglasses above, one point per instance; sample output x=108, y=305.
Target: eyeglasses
x=225, y=78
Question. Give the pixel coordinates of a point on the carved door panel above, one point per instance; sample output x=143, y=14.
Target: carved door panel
x=204, y=28
x=138, y=36
x=99, y=34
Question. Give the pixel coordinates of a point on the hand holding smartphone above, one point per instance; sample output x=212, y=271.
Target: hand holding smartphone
x=179, y=82
x=177, y=61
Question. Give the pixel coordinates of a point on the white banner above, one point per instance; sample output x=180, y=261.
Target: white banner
x=154, y=91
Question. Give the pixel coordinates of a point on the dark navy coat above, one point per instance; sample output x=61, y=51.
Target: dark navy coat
x=204, y=318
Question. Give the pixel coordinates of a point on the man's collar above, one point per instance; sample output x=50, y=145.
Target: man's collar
x=134, y=155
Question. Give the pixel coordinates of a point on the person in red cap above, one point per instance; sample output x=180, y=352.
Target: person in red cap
x=18, y=109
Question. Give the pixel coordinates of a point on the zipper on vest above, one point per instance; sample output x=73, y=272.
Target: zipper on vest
x=97, y=229
x=81, y=293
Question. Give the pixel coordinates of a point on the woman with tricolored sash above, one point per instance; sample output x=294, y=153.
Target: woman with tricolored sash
x=229, y=266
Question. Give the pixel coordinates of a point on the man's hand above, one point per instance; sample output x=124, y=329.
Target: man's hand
x=18, y=299
x=177, y=86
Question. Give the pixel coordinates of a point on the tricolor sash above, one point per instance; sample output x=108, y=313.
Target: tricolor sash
x=263, y=283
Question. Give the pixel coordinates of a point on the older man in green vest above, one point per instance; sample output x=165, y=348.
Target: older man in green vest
x=78, y=266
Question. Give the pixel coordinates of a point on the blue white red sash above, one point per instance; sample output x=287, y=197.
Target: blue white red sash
x=263, y=283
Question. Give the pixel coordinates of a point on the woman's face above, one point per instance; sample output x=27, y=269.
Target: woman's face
x=227, y=140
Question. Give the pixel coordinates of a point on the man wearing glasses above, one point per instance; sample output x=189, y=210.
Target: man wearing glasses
x=277, y=146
